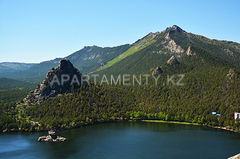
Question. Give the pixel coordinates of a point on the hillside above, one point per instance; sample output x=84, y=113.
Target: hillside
x=228, y=50
x=91, y=57
x=13, y=90
x=184, y=82
x=35, y=73
x=135, y=47
x=172, y=41
x=209, y=84
x=187, y=89
x=14, y=66
x=141, y=56
x=86, y=59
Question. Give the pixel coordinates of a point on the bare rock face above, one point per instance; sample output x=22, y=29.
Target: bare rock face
x=173, y=47
x=157, y=70
x=189, y=52
x=58, y=80
x=172, y=61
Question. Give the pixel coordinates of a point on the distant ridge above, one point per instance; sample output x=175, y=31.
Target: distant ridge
x=14, y=66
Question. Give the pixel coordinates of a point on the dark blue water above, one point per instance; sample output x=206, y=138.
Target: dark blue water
x=125, y=140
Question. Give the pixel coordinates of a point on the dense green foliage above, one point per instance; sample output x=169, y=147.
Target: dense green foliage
x=85, y=104
x=223, y=49
x=135, y=47
x=13, y=90
x=205, y=82
x=158, y=52
x=135, y=64
x=141, y=61
x=205, y=88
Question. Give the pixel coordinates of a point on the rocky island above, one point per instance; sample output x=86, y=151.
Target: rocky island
x=52, y=137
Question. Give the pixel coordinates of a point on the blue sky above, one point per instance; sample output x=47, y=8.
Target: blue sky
x=39, y=30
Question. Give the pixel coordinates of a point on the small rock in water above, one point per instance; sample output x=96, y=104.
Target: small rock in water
x=52, y=137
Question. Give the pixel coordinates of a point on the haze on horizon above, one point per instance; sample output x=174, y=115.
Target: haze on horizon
x=36, y=31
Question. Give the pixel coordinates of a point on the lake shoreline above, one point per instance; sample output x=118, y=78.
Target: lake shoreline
x=187, y=123
x=130, y=120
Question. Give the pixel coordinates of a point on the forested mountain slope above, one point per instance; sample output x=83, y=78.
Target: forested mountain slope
x=172, y=41
x=86, y=59
x=183, y=83
x=189, y=89
x=12, y=90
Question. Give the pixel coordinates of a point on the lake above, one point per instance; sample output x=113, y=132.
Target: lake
x=125, y=140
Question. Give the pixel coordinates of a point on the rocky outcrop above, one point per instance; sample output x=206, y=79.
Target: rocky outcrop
x=58, y=80
x=173, y=47
x=190, y=52
x=229, y=52
x=231, y=74
x=157, y=70
x=170, y=44
x=52, y=137
x=172, y=61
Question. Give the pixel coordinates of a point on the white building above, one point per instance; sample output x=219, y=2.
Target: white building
x=236, y=115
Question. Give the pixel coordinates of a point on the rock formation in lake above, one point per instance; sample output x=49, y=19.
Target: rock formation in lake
x=52, y=137
x=58, y=80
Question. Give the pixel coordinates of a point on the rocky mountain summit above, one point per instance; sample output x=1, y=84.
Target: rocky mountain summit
x=58, y=80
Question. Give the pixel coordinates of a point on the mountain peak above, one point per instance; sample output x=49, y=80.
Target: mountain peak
x=65, y=65
x=177, y=28
x=58, y=80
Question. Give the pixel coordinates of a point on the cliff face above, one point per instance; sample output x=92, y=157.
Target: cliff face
x=58, y=80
